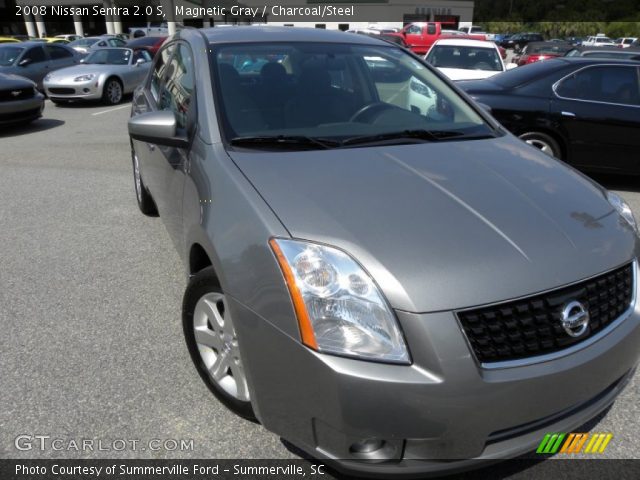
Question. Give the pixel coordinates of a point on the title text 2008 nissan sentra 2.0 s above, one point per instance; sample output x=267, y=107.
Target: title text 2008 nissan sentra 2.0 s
x=371, y=280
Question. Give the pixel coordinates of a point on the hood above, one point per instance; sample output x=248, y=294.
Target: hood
x=81, y=69
x=467, y=74
x=448, y=225
x=9, y=81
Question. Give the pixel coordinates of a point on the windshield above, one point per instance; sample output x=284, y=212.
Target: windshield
x=305, y=92
x=9, y=54
x=547, y=48
x=110, y=56
x=83, y=42
x=466, y=58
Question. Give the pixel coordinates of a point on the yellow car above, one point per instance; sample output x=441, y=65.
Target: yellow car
x=51, y=40
x=8, y=40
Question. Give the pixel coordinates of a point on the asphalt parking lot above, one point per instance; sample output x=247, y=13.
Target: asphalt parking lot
x=90, y=304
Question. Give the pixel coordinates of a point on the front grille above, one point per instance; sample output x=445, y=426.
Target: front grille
x=532, y=326
x=62, y=90
x=16, y=94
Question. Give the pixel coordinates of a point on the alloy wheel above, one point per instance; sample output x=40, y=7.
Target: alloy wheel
x=114, y=91
x=541, y=145
x=136, y=176
x=217, y=344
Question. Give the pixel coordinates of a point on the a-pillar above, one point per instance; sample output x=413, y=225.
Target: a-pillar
x=31, y=28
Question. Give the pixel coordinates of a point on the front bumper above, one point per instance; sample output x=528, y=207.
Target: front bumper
x=19, y=111
x=89, y=90
x=442, y=413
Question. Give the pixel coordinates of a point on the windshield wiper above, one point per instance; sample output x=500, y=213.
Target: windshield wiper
x=427, y=135
x=286, y=141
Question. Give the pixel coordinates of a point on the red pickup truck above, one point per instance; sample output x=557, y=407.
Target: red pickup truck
x=420, y=36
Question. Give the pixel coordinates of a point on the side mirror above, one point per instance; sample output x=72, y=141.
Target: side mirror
x=83, y=60
x=24, y=62
x=158, y=128
x=140, y=61
x=511, y=66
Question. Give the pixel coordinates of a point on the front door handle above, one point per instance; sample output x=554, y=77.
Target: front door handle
x=568, y=114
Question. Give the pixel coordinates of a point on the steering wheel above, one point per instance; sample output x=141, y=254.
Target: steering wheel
x=367, y=113
x=482, y=66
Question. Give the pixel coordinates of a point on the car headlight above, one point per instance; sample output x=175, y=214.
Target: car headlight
x=623, y=209
x=339, y=307
x=84, y=78
x=420, y=88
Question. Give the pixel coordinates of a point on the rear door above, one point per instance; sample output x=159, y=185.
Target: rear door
x=60, y=57
x=598, y=107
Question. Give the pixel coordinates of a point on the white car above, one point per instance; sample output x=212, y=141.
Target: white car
x=151, y=29
x=625, y=42
x=465, y=59
x=598, y=41
x=70, y=37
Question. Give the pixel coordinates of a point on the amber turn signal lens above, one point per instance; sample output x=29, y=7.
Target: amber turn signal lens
x=304, y=323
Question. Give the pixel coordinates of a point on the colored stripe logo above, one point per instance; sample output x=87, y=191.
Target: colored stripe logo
x=574, y=443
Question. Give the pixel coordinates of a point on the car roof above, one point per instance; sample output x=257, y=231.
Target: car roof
x=465, y=42
x=246, y=34
x=30, y=43
x=608, y=48
x=594, y=61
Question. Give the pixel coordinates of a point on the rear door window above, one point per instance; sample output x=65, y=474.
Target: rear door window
x=58, y=53
x=35, y=55
x=617, y=84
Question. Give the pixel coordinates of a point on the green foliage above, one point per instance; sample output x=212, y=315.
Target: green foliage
x=566, y=29
x=528, y=11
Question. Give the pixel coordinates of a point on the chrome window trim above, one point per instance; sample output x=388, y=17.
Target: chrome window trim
x=523, y=362
x=557, y=84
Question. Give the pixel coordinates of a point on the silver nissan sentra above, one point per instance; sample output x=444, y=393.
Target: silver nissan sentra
x=378, y=271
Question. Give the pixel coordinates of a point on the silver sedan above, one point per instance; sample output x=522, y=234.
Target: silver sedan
x=106, y=74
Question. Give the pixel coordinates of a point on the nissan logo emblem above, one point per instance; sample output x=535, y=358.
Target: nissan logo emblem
x=575, y=318
x=15, y=93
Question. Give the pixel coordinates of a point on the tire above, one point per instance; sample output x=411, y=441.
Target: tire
x=145, y=200
x=543, y=142
x=112, y=92
x=215, y=351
